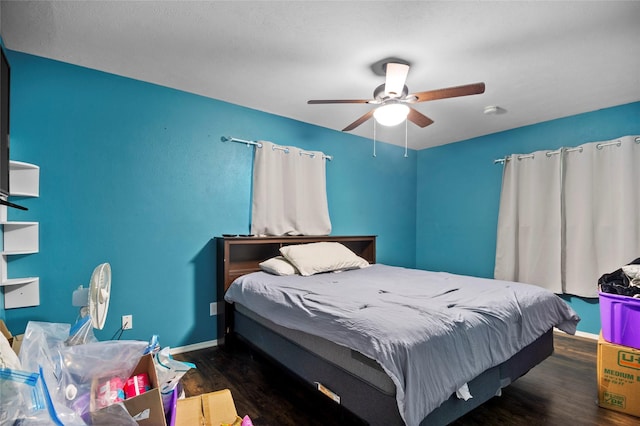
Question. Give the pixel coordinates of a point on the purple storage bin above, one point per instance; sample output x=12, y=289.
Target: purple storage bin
x=620, y=318
x=170, y=411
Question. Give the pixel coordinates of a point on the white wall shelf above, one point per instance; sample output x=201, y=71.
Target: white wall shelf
x=24, y=179
x=22, y=294
x=20, y=238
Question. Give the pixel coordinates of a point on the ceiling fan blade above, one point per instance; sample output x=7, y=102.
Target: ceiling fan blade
x=418, y=118
x=358, y=122
x=449, y=92
x=338, y=101
x=396, y=76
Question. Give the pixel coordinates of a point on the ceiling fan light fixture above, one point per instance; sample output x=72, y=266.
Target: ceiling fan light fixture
x=391, y=114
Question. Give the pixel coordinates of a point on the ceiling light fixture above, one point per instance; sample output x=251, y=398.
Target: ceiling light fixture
x=391, y=114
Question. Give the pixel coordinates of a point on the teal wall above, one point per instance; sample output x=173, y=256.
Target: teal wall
x=134, y=174
x=458, y=192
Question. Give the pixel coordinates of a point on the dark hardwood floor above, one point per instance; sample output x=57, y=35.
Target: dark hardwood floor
x=560, y=391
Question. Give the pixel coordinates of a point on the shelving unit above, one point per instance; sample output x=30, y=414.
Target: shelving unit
x=20, y=238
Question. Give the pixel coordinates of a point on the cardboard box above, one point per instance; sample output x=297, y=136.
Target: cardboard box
x=4, y=330
x=17, y=343
x=146, y=408
x=14, y=341
x=618, y=377
x=210, y=409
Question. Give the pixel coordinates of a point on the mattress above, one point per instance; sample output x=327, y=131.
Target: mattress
x=350, y=360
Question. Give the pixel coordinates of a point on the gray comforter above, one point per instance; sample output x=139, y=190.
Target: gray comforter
x=431, y=331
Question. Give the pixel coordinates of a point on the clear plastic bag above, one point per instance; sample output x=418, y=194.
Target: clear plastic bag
x=22, y=398
x=81, y=332
x=114, y=414
x=169, y=372
x=68, y=371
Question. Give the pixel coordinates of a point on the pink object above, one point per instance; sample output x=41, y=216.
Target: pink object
x=136, y=385
x=110, y=392
x=246, y=421
x=620, y=318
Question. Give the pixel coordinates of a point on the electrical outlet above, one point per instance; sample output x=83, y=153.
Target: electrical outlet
x=127, y=322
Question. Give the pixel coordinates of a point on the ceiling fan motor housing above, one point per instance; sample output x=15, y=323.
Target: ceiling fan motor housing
x=380, y=95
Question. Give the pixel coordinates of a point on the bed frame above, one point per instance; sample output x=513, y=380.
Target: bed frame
x=241, y=255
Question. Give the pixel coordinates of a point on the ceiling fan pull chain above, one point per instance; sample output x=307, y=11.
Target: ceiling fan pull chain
x=374, y=138
x=405, y=138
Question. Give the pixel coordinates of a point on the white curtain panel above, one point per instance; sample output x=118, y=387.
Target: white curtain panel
x=289, y=192
x=529, y=223
x=567, y=217
x=602, y=211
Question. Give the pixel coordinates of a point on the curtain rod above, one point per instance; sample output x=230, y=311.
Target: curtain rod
x=259, y=145
x=550, y=153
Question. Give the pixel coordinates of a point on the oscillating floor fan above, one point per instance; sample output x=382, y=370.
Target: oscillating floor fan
x=94, y=305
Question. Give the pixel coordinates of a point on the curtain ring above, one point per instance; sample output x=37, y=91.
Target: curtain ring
x=637, y=139
x=617, y=143
x=548, y=154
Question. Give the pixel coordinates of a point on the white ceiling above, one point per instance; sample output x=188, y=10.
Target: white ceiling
x=539, y=60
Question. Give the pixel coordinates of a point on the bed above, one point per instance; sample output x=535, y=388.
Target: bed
x=471, y=342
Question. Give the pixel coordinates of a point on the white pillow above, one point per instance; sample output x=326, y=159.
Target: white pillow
x=314, y=258
x=633, y=272
x=278, y=266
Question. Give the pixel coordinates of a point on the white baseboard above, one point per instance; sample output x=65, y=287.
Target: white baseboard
x=587, y=335
x=580, y=334
x=196, y=346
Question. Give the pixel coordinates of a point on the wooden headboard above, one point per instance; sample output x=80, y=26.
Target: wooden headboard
x=238, y=256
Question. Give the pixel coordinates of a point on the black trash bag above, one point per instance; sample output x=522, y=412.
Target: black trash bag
x=617, y=282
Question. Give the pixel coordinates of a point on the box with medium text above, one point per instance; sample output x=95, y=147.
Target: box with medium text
x=618, y=377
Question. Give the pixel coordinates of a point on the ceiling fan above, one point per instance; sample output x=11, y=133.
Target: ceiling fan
x=393, y=99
